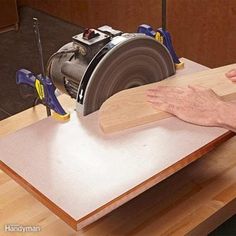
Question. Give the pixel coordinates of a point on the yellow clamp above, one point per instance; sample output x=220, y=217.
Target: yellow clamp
x=179, y=65
x=158, y=37
x=60, y=117
x=39, y=89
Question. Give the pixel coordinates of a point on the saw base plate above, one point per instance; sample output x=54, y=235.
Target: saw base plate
x=81, y=174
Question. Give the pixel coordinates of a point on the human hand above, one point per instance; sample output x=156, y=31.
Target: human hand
x=195, y=104
x=231, y=75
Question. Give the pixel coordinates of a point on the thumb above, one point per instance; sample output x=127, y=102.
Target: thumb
x=231, y=73
x=233, y=79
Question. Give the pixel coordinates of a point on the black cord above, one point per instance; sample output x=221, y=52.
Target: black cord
x=163, y=7
x=36, y=100
x=48, y=111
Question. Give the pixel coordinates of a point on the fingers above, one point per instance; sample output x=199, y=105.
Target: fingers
x=233, y=79
x=165, y=90
x=164, y=94
x=170, y=92
x=165, y=98
x=162, y=106
x=169, y=95
x=231, y=75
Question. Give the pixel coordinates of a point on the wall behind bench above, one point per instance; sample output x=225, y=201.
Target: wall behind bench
x=202, y=30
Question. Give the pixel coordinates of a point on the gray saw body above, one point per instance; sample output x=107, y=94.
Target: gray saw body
x=93, y=69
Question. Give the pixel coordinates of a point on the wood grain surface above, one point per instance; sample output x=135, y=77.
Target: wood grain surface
x=129, y=108
x=123, y=14
x=8, y=14
x=201, y=30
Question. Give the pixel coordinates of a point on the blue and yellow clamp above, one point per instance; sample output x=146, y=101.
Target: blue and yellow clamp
x=162, y=36
x=45, y=90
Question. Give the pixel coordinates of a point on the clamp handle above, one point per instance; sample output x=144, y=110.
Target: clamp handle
x=45, y=89
x=25, y=77
x=162, y=36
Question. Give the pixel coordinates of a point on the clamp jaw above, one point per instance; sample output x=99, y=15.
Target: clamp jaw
x=45, y=90
x=162, y=36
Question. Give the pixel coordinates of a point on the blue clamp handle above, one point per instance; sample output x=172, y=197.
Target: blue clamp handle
x=45, y=89
x=25, y=77
x=167, y=41
x=147, y=30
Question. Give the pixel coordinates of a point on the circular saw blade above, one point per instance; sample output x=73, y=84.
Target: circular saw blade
x=136, y=61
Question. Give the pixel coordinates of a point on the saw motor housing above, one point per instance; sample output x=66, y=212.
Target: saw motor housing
x=101, y=62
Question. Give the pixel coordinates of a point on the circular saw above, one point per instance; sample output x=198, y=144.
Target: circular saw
x=101, y=62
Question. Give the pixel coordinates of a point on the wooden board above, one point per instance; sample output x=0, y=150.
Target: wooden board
x=129, y=108
x=81, y=174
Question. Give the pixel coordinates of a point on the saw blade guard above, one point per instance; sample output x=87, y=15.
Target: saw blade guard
x=127, y=61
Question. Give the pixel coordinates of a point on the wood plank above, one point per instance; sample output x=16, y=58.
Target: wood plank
x=129, y=108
